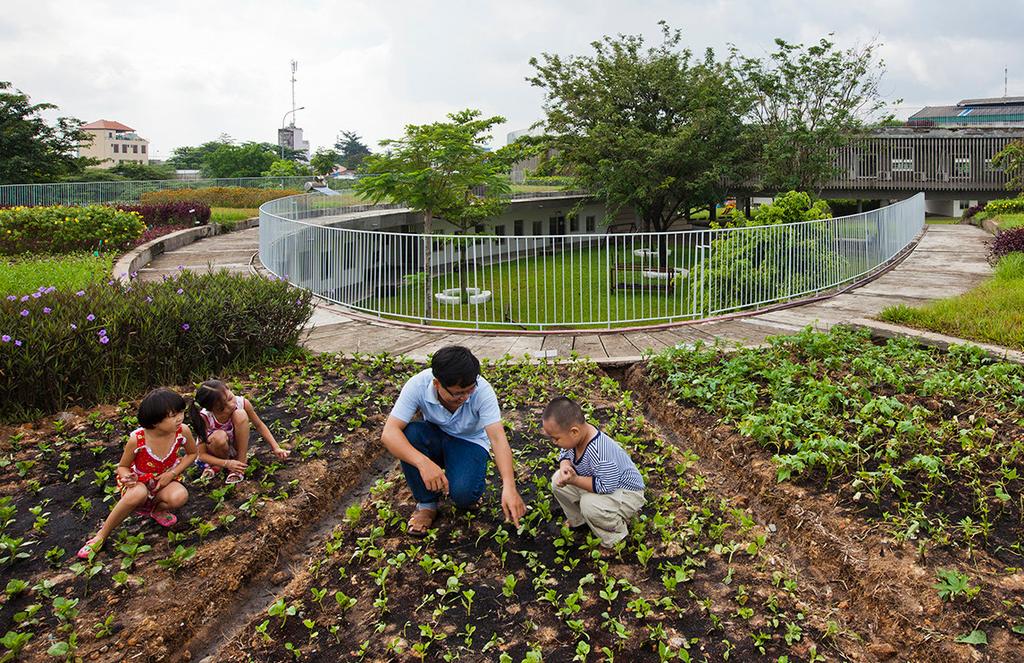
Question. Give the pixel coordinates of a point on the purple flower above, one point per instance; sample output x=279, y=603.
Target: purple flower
x=18, y=343
x=180, y=291
x=79, y=293
x=149, y=300
x=36, y=295
x=25, y=298
x=24, y=312
x=181, y=268
x=50, y=289
x=185, y=326
x=128, y=289
x=104, y=340
x=102, y=332
x=5, y=338
x=134, y=275
x=46, y=310
x=90, y=317
x=11, y=298
x=74, y=326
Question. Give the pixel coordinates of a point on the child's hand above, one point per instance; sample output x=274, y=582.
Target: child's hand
x=281, y=452
x=566, y=474
x=127, y=479
x=164, y=480
x=235, y=466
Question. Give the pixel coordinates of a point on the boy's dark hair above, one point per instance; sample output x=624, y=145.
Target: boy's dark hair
x=565, y=412
x=208, y=396
x=159, y=404
x=455, y=366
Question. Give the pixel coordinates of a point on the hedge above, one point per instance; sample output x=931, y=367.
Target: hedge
x=61, y=229
x=182, y=213
x=1004, y=206
x=113, y=340
x=1008, y=241
x=218, y=196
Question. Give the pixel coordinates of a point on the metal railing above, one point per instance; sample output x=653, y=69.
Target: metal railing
x=87, y=193
x=576, y=280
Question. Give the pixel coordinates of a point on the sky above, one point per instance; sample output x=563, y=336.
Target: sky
x=185, y=72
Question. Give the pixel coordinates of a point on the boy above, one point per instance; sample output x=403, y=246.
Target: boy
x=596, y=482
x=447, y=452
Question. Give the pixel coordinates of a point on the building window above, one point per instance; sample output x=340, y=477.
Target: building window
x=591, y=224
x=990, y=168
x=135, y=149
x=574, y=224
x=538, y=227
x=115, y=148
x=143, y=149
x=479, y=229
x=902, y=160
x=110, y=134
x=499, y=230
x=517, y=227
x=962, y=167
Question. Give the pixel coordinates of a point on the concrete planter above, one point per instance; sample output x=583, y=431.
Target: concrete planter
x=454, y=296
x=650, y=254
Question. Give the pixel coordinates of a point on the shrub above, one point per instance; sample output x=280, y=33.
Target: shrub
x=218, y=196
x=188, y=213
x=61, y=229
x=971, y=211
x=1004, y=206
x=1008, y=241
x=113, y=340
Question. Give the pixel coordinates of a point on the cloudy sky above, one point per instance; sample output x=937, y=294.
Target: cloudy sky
x=185, y=71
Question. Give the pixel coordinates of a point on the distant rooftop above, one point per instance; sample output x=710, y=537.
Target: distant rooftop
x=993, y=112
x=107, y=124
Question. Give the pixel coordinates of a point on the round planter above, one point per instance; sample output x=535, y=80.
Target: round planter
x=454, y=296
x=664, y=276
x=648, y=254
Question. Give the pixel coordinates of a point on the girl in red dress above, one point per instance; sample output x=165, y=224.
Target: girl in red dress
x=150, y=468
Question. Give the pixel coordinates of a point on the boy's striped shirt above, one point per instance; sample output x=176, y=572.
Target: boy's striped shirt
x=607, y=463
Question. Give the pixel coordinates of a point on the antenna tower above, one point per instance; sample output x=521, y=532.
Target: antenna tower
x=295, y=67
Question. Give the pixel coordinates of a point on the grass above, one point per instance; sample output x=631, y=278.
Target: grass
x=941, y=220
x=993, y=312
x=221, y=214
x=1007, y=221
x=22, y=275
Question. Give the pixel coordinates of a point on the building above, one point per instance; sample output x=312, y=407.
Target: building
x=114, y=143
x=993, y=112
x=290, y=137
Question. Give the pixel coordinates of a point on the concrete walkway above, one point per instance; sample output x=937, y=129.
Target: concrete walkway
x=949, y=260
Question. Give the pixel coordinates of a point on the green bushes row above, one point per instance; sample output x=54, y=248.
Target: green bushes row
x=61, y=229
x=112, y=340
x=217, y=196
x=1004, y=206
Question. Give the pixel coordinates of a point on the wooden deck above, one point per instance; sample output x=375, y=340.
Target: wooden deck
x=949, y=260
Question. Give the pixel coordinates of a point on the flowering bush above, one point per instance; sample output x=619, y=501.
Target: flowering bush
x=60, y=229
x=972, y=211
x=1008, y=241
x=217, y=196
x=1004, y=206
x=112, y=340
x=187, y=213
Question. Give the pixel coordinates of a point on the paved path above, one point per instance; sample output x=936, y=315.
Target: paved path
x=950, y=259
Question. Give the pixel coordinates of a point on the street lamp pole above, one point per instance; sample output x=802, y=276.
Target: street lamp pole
x=291, y=112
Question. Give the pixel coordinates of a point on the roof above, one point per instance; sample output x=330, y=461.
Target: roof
x=107, y=124
x=992, y=101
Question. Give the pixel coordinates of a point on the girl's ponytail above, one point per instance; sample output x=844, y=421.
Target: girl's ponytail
x=196, y=421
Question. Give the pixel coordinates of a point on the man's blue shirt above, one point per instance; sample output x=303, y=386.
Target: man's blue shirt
x=467, y=422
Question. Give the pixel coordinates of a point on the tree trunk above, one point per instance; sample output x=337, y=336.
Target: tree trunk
x=428, y=250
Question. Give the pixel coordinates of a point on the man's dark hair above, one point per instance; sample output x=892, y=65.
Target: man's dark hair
x=159, y=404
x=565, y=412
x=455, y=366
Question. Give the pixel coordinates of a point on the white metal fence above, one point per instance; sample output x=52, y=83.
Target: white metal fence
x=87, y=193
x=576, y=280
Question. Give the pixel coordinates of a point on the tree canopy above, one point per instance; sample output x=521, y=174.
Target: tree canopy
x=245, y=160
x=32, y=150
x=806, y=102
x=351, y=150
x=1011, y=160
x=652, y=128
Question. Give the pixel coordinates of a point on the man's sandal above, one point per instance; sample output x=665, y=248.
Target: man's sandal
x=208, y=474
x=421, y=520
x=233, y=478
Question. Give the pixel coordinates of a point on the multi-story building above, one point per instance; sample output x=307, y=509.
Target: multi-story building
x=114, y=143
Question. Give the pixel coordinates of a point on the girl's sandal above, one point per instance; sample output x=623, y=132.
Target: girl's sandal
x=91, y=546
x=164, y=518
x=233, y=478
x=208, y=474
x=420, y=521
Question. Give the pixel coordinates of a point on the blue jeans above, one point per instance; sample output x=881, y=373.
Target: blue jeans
x=464, y=464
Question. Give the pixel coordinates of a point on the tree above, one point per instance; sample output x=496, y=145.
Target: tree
x=286, y=168
x=323, y=161
x=246, y=160
x=443, y=170
x=351, y=150
x=191, y=158
x=807, y=102
x=650, y=128
x=32, y=150
x=1011, y=160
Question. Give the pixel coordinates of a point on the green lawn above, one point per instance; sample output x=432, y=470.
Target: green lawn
x=222, y=214
x=1007, y=221
x=993, y=312
x=941, y=220
x=22, y=275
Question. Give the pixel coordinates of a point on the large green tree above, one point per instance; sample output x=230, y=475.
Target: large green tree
x=245, y=160
x=351, y=150
x=807, y=102
x=32, y=150
x=323, y=161
x=1011, y=160
x=652, y=128
x=442, y=169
